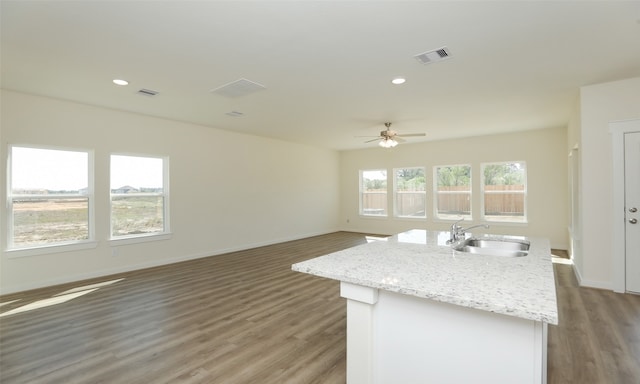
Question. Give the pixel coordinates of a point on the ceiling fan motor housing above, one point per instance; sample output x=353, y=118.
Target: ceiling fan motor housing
x=387, y=134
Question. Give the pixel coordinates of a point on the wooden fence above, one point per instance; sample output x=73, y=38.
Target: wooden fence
x=504, y=200
x=499, y=200
x=374, y=203
x=411, y=204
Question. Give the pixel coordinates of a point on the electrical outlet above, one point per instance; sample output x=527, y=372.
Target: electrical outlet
x=114, y=251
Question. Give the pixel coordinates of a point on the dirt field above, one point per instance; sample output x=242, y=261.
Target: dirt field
x=50, y=205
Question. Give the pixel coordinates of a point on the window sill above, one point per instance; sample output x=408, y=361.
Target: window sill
x=467, y=220
x=499, y=223
x=374, y=217
x=135, y=239
x=410, y=218
x=49, y=249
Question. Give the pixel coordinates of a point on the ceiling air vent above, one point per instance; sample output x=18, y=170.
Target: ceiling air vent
x=147, y=92
x=238, y=88
x=433, y=56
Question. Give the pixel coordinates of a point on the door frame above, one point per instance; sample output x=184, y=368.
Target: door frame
x=618, y=129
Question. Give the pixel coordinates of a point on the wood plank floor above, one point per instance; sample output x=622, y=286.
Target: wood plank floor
x=245, y=317
x=597, y=339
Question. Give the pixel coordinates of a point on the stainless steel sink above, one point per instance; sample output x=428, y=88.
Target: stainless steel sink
x=496, y=247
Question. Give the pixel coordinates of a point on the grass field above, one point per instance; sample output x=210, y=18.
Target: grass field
x=137, y=214
x=50, y=221
x=37, y=222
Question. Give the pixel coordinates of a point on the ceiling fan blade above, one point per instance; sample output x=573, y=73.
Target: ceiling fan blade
x=399, y=140
x=376, y=139
x=412, y=134
x=368, y=136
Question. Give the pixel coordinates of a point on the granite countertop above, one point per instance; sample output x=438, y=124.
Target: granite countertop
x=420, y=263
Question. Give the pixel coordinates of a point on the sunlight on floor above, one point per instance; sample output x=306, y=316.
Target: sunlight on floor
x=561, y=260
x=84, y=288
x=9, y=302
x=58, y=298
x=46, y=302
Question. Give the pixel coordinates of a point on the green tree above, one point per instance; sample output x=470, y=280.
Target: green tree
x=504, y=174
x=454, y=175
x=411, y=179
x=375, y=184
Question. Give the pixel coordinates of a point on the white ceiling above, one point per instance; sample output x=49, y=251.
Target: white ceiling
x=326, y=65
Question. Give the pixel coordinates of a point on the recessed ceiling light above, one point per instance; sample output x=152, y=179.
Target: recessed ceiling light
x=398, y=80
x=120, y=82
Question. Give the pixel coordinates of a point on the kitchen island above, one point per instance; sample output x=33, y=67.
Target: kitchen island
x=419, y=311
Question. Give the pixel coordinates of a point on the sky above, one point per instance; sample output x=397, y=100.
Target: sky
x=35, y=168
x=375, y=175
x=136, y=172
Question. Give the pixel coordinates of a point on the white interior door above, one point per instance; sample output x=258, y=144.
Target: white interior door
x=632, y=210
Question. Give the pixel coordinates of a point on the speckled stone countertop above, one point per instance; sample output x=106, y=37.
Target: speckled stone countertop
x=420, y=263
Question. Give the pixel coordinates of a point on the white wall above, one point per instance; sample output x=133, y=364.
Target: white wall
x=599, y=105
x=228, y=191
x=543, y=150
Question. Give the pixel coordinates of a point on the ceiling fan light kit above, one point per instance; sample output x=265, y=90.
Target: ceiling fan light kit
x=387, y=143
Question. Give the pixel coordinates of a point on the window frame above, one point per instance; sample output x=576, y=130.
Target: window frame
x=142, y=237
x=56, y=247
x=395, y=194
x=436, y=193
x=524, y=192
x=361, y=193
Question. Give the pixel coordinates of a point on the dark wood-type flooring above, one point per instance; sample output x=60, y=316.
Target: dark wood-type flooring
x=245, y=317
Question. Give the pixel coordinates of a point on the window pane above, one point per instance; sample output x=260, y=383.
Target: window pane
x=453, y=190
x=40, y=171
x=135, y=215
x=133, y=174
x=504, y=188
x=49, y=197
x=137, y=195
x=373, y=188
x=46, y=221
x=411, y=195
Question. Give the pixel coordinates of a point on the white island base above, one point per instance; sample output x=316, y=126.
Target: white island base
x=396, y=338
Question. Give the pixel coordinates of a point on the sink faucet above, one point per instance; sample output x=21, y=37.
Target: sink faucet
x=457, y=232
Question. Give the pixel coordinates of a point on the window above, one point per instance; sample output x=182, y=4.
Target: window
x=373, y=192
x=504, y=188
x=50, y=197
x=410, y=192
x=452, y=185
x=139, y=187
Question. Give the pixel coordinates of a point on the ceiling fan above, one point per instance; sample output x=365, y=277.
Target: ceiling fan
x=389, y=138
